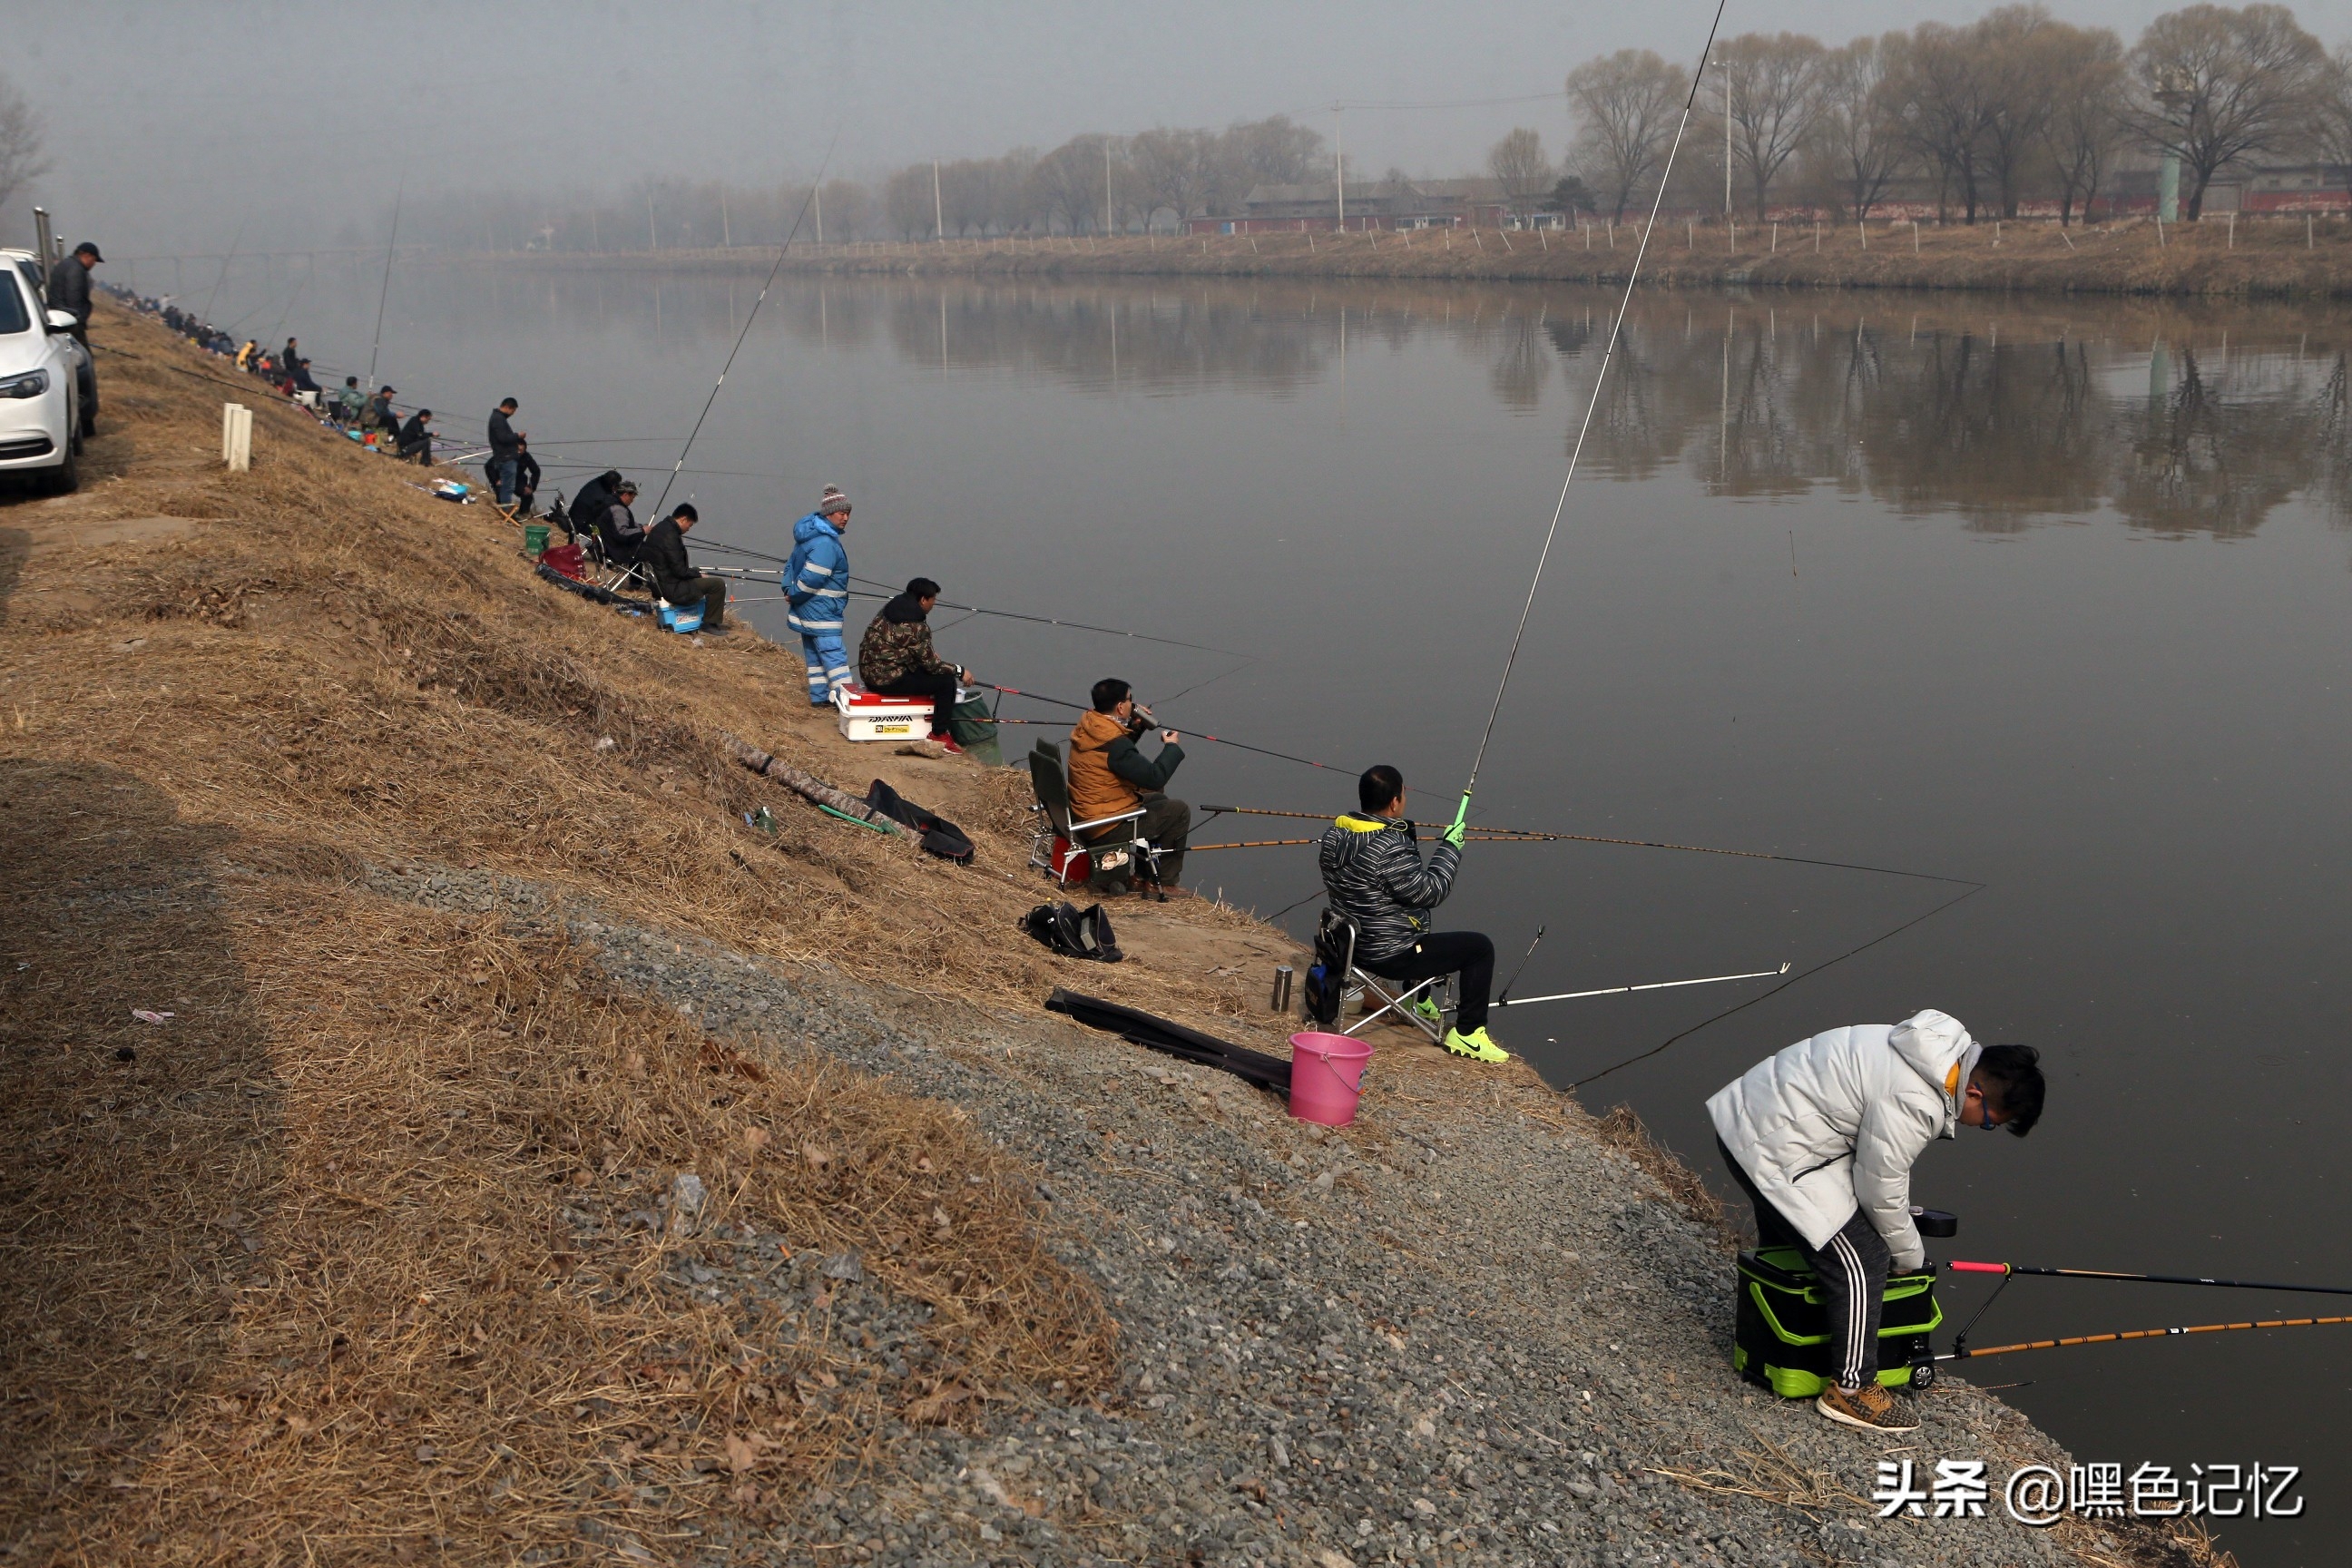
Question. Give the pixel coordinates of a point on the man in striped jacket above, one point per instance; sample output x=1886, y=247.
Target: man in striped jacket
x=817, y=588
x=1372, y=874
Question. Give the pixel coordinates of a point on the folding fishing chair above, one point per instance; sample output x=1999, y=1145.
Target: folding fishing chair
x=1335, y=933
x=1056, y=843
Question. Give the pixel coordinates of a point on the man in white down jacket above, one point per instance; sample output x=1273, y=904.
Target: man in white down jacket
x=1822, y=1137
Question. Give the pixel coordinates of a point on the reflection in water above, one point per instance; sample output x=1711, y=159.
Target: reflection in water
x=2181, y=420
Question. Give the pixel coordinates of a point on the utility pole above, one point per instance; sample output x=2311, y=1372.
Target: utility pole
x=817, y=195
x=1339, y=168
x=1726, y=146
x=938, y=218
x=653, y=234
x=1107, y=217
x=726, y=235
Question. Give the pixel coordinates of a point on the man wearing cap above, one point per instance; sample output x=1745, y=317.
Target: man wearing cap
x=69, y=288
x=816, y=588
x=380, y=414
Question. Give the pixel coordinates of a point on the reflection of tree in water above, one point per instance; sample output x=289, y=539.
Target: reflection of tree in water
x=2333, y=440
x=1522, y=367
x=1156, y=341
x=2195, y=461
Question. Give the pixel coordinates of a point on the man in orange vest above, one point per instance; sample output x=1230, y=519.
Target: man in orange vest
x=1109, y=775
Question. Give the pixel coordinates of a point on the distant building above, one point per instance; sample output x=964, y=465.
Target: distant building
x=1370, y=204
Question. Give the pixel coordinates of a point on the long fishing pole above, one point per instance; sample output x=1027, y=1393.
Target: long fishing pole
x=1654, y=985
x=2008, y=1270
x=2139, y=1334
x=1530, y=952
x=1277, y=842
x=1545, y=835
x=1599, y=379
x=1050, y=621
x=226, y=260
x=389, y=246
x=1089, y=707
x=750, y=316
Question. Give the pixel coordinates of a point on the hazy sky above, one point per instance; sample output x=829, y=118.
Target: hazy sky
x=173, y=123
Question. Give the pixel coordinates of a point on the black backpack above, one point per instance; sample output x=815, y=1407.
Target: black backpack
x=1074, y=933
x=1326, y=977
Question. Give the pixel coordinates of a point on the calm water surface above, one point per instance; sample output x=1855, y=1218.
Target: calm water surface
x=2053, y=596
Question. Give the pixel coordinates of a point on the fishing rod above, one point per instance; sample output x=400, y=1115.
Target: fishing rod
x=1599, y=379
x=1961, y=1355
x=2008, y=1270
x=1495, y=834
x=1088, y=707
x=1067, y=625
x=750, y=316
x=1652, y=985
x=207, y=314
x=385, y=292
x=1530, y=952
x=1277, y=843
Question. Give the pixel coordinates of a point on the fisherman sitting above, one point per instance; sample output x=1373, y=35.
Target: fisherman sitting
x=415, y=439
x=674, y=578
x=895, y=658
x=1822, y=1137
x=587, y=513
x=816, y=589
x=618, y=529
x=1374, y=875
x=380, y=415
x=1109, y=776
x=348, y=402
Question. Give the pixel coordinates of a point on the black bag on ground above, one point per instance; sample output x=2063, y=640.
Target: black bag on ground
x=940, y=836
x=1160, y=1034
x=1074, y=933
x=1326, y=977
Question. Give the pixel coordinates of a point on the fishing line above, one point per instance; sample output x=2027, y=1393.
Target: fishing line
x=1972, y=890
x=750, y=316
x=1601, y=377
x=1088, y=707
x=893, y=592
x=385, y=292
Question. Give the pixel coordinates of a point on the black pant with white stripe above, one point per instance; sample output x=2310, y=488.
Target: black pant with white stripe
x=1852, y=1268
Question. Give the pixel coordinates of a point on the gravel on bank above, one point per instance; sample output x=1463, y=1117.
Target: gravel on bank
x=1454, y=1332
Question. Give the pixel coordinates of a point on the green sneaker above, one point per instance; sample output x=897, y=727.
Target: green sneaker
x=1428, y=1010
x=1477, y=1044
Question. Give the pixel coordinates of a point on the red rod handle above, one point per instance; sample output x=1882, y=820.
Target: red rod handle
x=1977, y=1268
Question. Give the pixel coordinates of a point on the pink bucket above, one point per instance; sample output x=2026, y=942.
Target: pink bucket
x=1326, y=1074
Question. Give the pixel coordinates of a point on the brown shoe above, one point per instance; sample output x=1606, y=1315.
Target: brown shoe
x=1870, y=1407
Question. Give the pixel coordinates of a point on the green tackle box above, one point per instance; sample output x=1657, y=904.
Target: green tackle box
x=1781, y=1334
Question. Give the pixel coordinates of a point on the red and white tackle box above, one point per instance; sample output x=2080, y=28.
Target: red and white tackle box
x=867, y=716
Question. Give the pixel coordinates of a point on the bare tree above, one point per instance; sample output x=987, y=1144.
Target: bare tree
x=1068, y=184
x=1520, y=166
x=848, y=209
x=1174, y=168
x=2209, y=84
x=906, y=200
x=2333, y=124
x=1856, y=145
x=2085, y=126
x=1276, y=151
x=1625, y=105
x=1773, y=83
x=1938, y=87
x=2018, y=51
x=21, y=154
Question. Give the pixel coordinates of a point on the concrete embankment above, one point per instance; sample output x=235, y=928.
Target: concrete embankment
x=438, y=1128
x=2259, y=257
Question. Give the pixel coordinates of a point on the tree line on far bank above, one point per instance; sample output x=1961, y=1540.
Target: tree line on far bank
x=2014, y=107
x=2017, y=107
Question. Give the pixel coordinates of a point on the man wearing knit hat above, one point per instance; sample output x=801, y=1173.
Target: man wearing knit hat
x=816, y=589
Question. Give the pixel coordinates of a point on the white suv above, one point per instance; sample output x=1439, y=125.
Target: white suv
x=41, y=373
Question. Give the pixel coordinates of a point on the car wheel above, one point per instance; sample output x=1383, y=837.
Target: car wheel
x=65, y=477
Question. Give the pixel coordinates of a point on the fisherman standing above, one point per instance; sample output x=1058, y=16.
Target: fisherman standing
x=816, y=589
x=1821, y=1138
x=505, y=449
x=1374, y=875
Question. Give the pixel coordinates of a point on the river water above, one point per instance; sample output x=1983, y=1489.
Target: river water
x=2054, y=597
